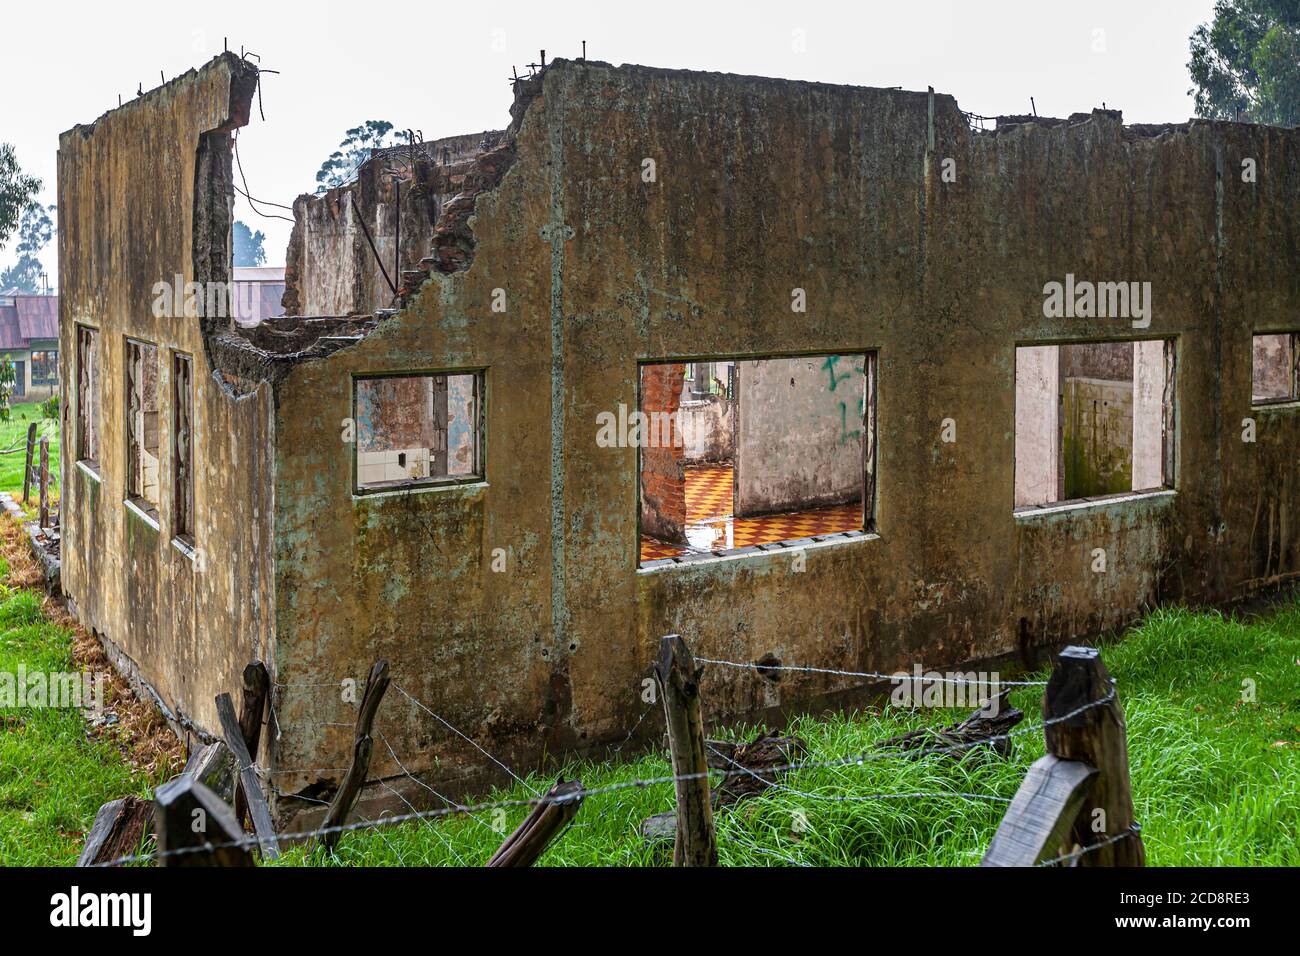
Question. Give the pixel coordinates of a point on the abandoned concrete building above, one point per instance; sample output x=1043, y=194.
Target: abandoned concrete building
x=774, y=365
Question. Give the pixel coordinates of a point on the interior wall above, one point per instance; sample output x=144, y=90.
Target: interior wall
x=799, y=433
x=1038, y=445
x=1148, y=414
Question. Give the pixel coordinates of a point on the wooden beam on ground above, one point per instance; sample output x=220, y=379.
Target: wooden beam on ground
x=120, y=827
x=188, y=815
x=257, y=806
x=1041, y=816
x=546, y=822
x=257, y=683
x=362, y=747
x=1096, y=736
x=679, y=684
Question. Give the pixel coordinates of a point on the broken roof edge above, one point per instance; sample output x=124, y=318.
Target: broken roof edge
x=241, y=356
x=1143, y=129
x=240, y=67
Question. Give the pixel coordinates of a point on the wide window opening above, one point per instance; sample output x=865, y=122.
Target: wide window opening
x=1275, y=374
x=183, y=448
x=418, y=430
x=142, y=426
x=88, y=396
x=751, y=454
x=1093, y=420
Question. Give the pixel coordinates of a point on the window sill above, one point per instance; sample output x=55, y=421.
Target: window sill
x=144, y=512
x=90, y=469
x=184, y=547
x=1083, y=504
x=815, y=543
x=1280, y=405
x=400, y=491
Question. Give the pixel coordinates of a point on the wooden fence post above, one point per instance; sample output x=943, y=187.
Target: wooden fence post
x=541, y=827
x=187, y=814
x=45, y=482
x=257, y=807
x=27, y=470
x=362, y=747
x=256, y=684
x=1096, y=737
x=678, y=677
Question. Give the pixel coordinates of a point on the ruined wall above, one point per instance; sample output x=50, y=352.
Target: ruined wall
x=764, y=186
x=331, y=268
x=134, y=209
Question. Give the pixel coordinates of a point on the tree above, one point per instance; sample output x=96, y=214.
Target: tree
x=17, y=191
x=357, y=146
x=1247, y=62
x=34, y=234
x=8, y=382
x=248, y=249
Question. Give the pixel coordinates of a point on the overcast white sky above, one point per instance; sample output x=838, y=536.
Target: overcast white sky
x=442, y=67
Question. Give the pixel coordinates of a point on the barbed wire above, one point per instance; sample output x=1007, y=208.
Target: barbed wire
x=1133, y=830
x=860, y=759
x=446, y=723
x=899, y=676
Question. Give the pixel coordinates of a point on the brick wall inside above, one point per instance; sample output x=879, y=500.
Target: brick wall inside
x=663, y=478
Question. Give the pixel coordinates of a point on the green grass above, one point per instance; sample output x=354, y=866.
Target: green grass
x=1212, y=784
x=52, y=776
x=13, y=433
x=1216, y=779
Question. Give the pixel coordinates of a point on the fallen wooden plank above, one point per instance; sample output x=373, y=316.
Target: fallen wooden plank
x=985, y=727
x=257, y=683
x=1042, y=813
x=257, y=806
x=120, y=827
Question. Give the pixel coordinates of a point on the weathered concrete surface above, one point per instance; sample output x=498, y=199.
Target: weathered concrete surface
x=332, y=268
x=762, y=186
x=132, y=187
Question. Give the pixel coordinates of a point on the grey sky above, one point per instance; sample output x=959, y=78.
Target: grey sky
x=443, y=69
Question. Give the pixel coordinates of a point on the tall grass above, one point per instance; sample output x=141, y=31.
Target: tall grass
x=53, y=777
x=1216, y=779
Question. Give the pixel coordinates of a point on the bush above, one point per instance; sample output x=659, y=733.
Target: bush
x=50, y=407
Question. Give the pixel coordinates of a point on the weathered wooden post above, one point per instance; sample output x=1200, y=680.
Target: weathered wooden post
x=248, y=782
x=256, y=683
x=45, y=482
x=27, y=469
x=1096, y=737
x=187, y=814
x=678, y=678
x=362, y=747
x=546, y=822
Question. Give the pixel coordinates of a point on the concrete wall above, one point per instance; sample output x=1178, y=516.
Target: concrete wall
x=331, y=268
x=764, y=186
x=799, y=433
x=709, y=429
x=133, y=211
x=943, y=279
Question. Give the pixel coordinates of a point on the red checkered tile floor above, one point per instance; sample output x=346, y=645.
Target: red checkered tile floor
x=710, y=525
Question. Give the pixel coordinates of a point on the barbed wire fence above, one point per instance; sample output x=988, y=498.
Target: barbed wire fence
x=1074, y=806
